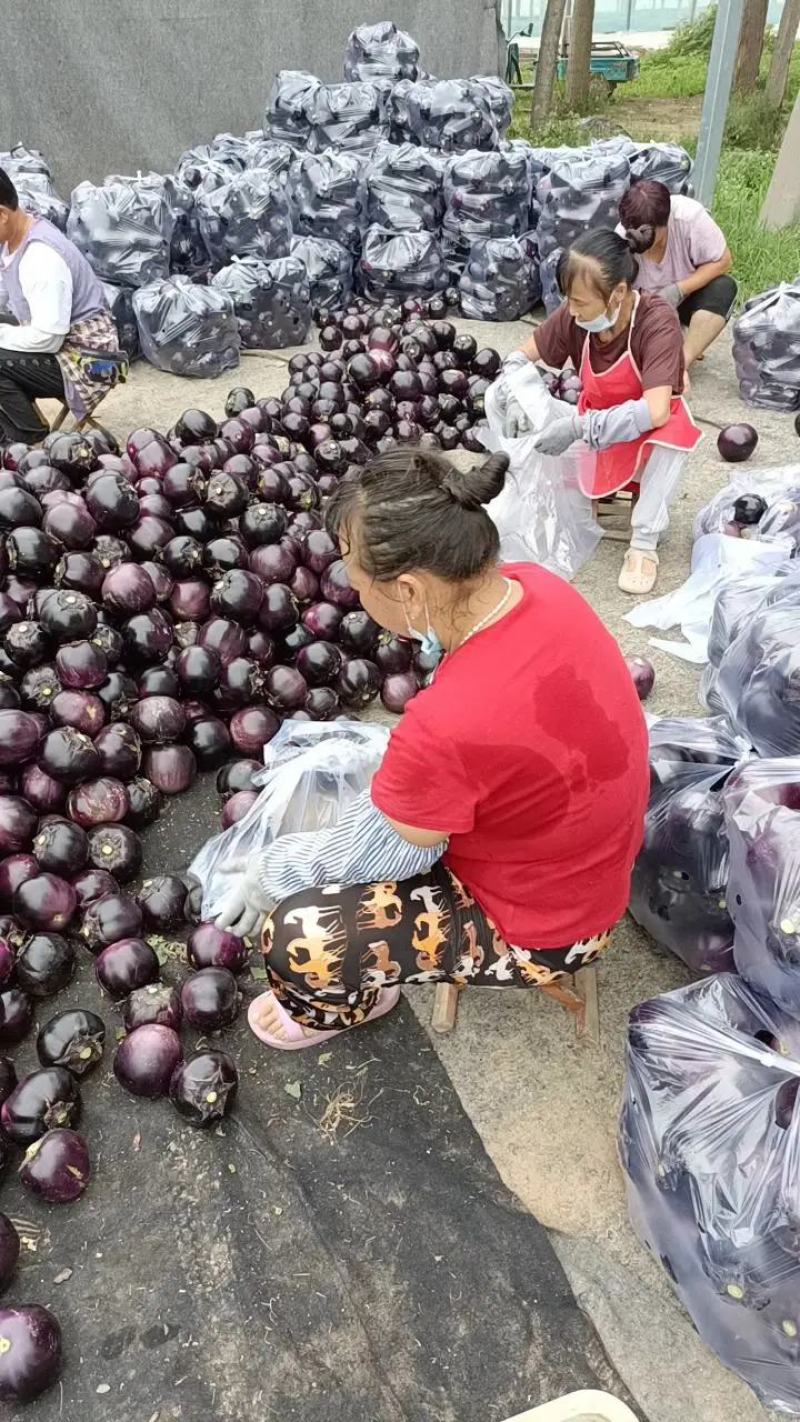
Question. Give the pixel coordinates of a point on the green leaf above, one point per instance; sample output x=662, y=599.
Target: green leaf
x=293, y=1089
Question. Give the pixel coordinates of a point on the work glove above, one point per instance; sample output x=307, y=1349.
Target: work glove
x=246, y=903
x=515, y=421
x=556, y=437
x=672, y=295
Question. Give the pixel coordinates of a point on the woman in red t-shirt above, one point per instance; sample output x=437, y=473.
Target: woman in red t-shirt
x=521, y=770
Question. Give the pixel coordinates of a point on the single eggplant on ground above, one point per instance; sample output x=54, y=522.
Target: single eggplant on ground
x=146, y=1059
x=73, y=1039
x=56, y=1167
x=45, y=1099
x=203, y=1088
x=30, y=1352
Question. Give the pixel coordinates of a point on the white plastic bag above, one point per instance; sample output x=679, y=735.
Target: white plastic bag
x=541, y=515
x=312, y=772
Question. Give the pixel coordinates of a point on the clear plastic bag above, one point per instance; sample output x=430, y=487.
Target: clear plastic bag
x=248, y=217
x=272, y=301
x=452, y=114
x=312, y=772
x=665, y=163
x=380, y=51
x=758, y=681
x=766, y=348
x=401, y=264
x=286, y=118
x=742, y=597
x=769, y=499
x=579, y=193
x=405, y=188
x=762, y=806
x=187, y=329
x=500, y=280
x=329, y=269
x=207, y=166
x=680, y=878
x=710, y=1142
x=541, y=515
x=21, y=162
x=352, y=118
x=486, y=195
x=38, y=196
x=124, y=229
x=397, y=109
x=500, y=99
x=329, y=196
x=120, y=302
x=552, y=295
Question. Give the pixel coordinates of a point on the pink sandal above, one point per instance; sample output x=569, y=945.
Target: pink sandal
x=295, y=1039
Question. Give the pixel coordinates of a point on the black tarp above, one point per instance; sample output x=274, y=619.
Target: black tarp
x=340, y=1250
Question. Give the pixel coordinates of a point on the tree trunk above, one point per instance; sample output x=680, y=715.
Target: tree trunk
x=751, y=44
x=579, y=57
x=782, y=203
x=782, y=53
x=547, y=63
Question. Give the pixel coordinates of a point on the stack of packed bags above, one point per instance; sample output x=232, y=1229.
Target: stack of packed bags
x=392, y=183
x=709, y=1134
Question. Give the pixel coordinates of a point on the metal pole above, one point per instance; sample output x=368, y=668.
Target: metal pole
x=715, y=103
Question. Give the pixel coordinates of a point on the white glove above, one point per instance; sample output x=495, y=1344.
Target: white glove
x=246, y=904
x=515, y=421
x=556, y=437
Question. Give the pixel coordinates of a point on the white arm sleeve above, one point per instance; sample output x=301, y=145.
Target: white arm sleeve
x=363, y=848
x=47, y=286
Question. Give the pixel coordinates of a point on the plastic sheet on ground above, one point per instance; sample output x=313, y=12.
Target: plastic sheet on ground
x=124, y=229
x=580, y=192
x=351, y=118
x=247, y=217
x=452, y=114
x=272, y=301
x=766, y=348
x=120, y=301
x=405, y=188
x=329, y=196
x=401, y=264
x=758, y=680
x=486, y=195
x=500, y=281
x=329, y=269
x=679, y=885
x=380, y=51
x=762, y=806
x=286, y=117
x=541, y=515
x=710, y=1142
x=716, y=560
x=187, y=329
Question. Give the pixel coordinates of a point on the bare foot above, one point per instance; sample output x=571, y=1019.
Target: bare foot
x=269, y=1019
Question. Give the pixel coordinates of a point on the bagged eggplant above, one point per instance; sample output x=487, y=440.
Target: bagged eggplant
x=401, y=264
x=762, y=807
x=351, y=118
x=405, y=188
x=248, y=217
x=500, y=280
x=762, y=504
x=766, y=348
x=679, y=886
x=709, y=1140
x=758, y=681
x=124, y=229
x=577, y=194
x=286, y=118
x=329, y=270
x=451, y=114
x=206, y=167
x=397, y=109
x=120, y=304
x=328, y=197
x=500, y=99
x=665, y=163
x=271, y=300
x=21, y=162
x=187, y=329
x=486, y=195
x=380, y=51
x=552, y=295
x=38, y=196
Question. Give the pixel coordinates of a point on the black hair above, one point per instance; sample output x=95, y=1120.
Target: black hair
x=603, y=257
x=8, y=193
x=414, y=510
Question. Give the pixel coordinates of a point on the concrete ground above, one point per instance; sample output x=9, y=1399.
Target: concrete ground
x=544, y=1104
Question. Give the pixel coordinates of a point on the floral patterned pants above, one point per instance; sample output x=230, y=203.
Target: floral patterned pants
x=329, y=951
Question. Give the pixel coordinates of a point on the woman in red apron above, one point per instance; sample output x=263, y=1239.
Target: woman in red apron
x=628, y=348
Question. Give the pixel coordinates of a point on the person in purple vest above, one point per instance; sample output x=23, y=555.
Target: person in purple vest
x=58, y=313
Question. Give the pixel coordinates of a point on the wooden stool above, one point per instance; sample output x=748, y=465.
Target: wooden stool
x=63, y=414
x=581, y=999
x=622, y=503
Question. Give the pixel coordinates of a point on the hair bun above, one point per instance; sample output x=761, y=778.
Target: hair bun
x=472, y=488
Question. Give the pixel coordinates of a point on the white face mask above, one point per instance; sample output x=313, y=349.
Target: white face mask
x=604, y=322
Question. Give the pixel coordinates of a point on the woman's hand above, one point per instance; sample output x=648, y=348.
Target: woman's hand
x=672, y=295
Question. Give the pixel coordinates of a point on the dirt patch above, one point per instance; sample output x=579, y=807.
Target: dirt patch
x=665, y=120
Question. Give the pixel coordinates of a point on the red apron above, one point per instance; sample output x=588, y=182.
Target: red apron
x=604, y=471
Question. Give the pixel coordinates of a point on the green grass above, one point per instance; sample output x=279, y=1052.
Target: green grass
x=761, y=259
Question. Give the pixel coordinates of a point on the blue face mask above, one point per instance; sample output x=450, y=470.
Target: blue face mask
x=428, y=640
x=604, y=322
